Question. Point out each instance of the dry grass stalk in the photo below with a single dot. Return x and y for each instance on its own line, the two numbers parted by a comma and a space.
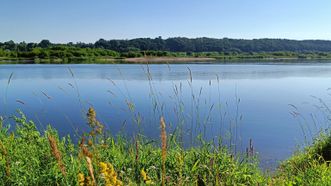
5, 154
84, 149
90, 168
85, 153
164, 148
56, 153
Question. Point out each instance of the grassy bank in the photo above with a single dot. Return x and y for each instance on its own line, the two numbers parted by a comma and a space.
31, 157
310, 166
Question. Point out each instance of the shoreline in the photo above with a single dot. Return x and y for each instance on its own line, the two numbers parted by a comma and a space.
168, 59
155, 60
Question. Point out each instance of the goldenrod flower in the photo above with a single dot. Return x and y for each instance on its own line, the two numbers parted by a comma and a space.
143, 174
147, 180
108, 174
81, 179
103, 167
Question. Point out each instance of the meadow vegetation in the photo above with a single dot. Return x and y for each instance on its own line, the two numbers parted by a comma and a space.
31, 157
310, 166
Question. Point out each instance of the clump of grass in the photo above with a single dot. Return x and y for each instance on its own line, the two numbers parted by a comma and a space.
33, 163
310, 166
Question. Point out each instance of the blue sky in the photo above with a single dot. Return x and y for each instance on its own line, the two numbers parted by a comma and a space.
89, 20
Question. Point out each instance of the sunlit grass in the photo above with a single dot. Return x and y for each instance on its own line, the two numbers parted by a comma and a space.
29, 157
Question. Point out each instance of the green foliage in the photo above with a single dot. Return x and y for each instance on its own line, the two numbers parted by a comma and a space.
52, 52
223, 49
26, 158
308, 167
182, 44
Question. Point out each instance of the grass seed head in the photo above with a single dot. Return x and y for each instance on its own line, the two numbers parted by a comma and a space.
56, 153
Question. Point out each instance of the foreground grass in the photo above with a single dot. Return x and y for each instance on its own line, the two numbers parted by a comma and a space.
31, 158
28, 157
308, 167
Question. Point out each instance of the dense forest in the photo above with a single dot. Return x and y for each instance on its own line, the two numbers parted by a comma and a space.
176, 47
181, 44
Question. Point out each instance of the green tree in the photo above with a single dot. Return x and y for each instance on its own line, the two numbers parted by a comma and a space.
44, 43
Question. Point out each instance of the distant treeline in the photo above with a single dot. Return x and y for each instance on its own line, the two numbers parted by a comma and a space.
181, 44
175, 47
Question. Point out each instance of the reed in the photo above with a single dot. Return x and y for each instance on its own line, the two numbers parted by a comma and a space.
164, 149
6, 91
56, 153
90, 169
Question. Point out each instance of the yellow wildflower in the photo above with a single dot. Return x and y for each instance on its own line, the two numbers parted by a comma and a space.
108, 174
81, 179
103, 167
147, 180
143, 174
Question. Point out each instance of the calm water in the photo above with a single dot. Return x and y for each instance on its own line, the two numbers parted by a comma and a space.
243, 101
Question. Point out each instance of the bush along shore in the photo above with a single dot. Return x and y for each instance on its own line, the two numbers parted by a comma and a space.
158, 50
31, 157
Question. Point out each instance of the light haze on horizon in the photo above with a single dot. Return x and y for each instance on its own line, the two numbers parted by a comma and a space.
63, 21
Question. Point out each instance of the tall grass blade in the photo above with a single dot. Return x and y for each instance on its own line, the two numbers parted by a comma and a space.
164, 148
